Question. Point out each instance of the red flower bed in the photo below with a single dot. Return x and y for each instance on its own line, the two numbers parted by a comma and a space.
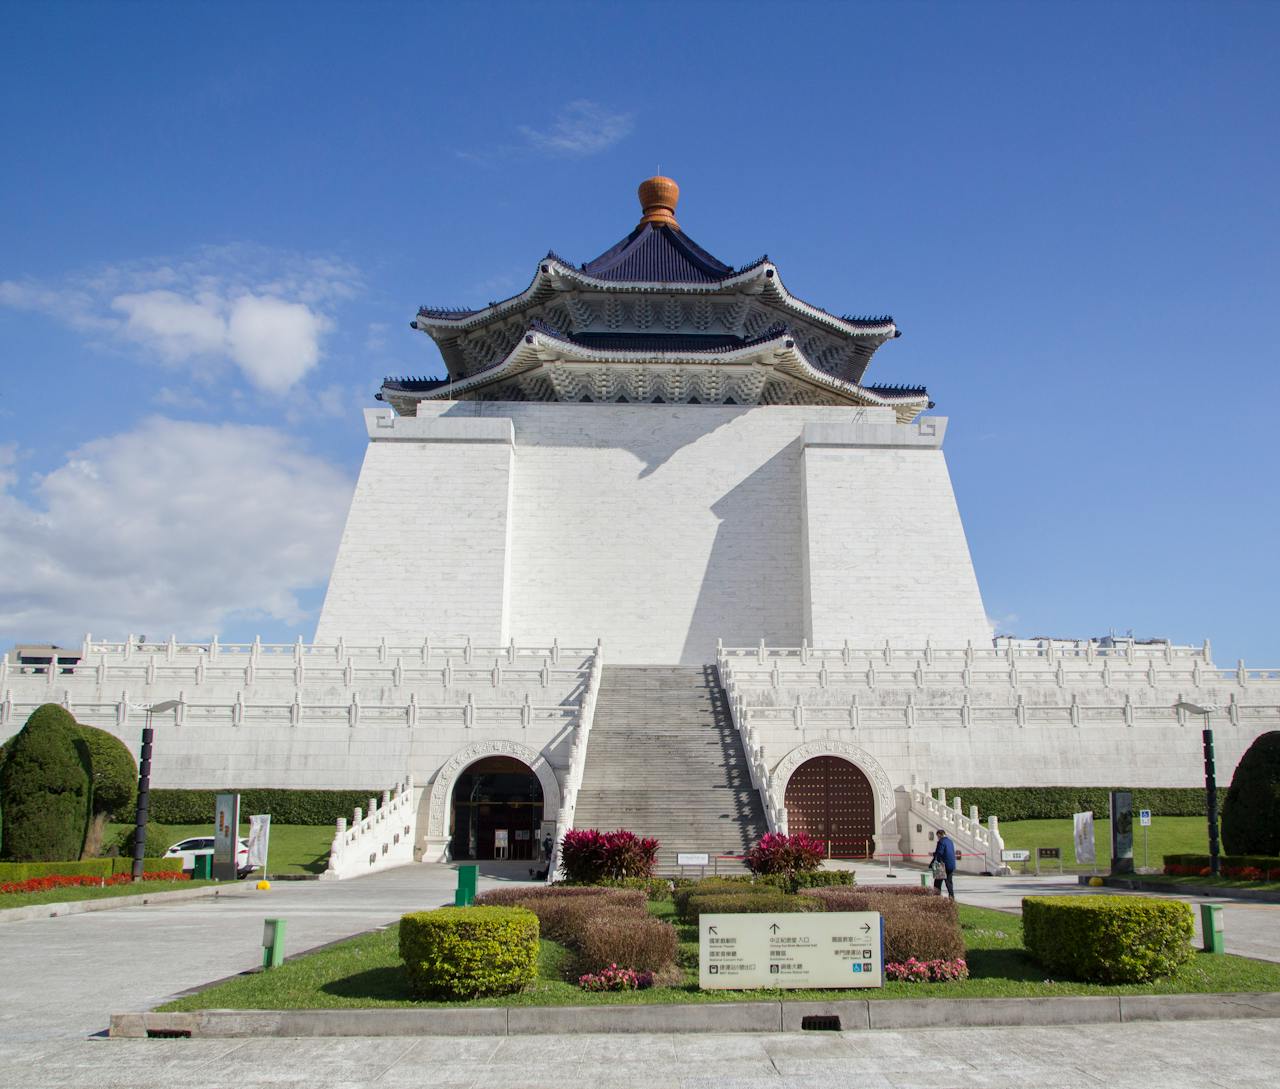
587, 855
927, 971
64, 881
776, 853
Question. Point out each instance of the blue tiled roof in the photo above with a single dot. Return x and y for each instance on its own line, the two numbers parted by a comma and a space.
658, 254
659, 342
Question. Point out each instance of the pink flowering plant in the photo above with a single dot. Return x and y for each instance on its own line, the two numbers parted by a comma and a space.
926, 971
614, 978
776, 853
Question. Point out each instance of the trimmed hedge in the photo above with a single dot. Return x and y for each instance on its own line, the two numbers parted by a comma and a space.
89, 867
1054, 803
1107, 939
654, 888
745, 883
1267, 867
639, 942
917, 923
1251, 811
44, 784
469, 952
285, 806
742, 903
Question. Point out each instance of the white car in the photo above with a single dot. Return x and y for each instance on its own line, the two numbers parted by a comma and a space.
187, 850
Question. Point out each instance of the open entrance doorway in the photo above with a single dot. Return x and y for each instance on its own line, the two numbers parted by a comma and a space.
831, 800
497, 811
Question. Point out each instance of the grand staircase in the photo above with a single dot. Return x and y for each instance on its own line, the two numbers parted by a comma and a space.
665, 761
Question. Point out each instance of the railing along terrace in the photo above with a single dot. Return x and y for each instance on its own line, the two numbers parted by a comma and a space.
1027, 650
577, 760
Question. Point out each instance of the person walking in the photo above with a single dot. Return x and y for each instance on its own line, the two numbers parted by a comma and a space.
944, 864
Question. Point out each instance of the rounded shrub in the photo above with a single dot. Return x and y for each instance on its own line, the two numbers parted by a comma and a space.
44, 789
1107, 939
113, 777
1251, 812
469, 952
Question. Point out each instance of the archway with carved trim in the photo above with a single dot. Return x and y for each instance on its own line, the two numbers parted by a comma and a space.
440, 790
886, 810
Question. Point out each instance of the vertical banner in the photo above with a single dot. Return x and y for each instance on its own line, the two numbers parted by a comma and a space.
1084, 838
1121, 831
226, 836
259, 837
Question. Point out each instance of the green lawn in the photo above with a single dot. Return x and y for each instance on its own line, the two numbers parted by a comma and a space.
366, 972
1166, 836
294, 848
88, 892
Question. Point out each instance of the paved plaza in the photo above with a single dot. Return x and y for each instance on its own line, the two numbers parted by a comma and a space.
64, 976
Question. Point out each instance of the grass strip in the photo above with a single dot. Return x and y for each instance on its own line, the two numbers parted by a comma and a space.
366, 972
89, 892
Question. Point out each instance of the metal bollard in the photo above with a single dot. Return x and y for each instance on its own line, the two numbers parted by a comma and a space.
466, 891
272, 943
1211, 927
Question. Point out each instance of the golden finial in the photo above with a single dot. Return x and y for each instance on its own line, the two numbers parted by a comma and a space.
658, 198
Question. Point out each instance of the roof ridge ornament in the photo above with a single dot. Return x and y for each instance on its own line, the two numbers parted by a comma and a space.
658, 198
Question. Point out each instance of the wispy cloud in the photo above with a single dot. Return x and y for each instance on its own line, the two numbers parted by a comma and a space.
265, 313
581, 128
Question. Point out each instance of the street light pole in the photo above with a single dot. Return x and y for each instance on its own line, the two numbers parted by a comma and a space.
144, 787
1210, 781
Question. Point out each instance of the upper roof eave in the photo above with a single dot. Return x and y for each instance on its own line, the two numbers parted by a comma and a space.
552, 269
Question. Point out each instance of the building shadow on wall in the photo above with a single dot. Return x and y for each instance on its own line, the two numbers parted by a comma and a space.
753, 585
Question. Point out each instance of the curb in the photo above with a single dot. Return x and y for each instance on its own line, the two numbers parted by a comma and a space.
108, 903
1203, 892
850, 1015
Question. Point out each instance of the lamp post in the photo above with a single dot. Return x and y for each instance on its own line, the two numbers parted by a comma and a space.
1210, 780
144, 785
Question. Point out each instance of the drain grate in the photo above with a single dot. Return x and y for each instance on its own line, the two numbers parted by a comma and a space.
821, 1024
168, 1034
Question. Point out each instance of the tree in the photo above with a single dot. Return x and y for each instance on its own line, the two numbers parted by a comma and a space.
114, 782
1251, 813
44, 787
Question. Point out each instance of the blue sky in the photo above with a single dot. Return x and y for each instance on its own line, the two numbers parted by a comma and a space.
216, 222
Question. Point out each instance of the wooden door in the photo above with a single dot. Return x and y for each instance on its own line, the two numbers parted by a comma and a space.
831, 800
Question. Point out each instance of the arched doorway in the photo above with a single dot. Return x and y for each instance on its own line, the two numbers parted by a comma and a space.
495, 795
831, 800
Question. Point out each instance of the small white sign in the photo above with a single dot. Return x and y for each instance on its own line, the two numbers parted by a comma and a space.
823, 949
1015, 856
1144, 818
693, 859
500, 837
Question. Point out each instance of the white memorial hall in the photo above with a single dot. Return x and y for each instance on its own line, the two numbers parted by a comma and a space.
656, 552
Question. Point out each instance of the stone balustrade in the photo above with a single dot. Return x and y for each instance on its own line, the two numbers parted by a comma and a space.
577, 759
376, 839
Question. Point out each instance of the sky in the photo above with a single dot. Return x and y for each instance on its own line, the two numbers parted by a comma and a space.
217, 220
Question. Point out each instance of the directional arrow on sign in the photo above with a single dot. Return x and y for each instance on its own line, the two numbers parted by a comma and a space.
775, 928
866, 928
712, 930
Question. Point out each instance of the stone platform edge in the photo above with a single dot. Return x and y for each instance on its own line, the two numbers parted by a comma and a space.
781, 1016
1201, 892
109, 903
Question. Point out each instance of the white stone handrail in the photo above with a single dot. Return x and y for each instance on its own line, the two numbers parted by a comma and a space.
375, 840
967, 831
775, 814
577, 758
1008, 650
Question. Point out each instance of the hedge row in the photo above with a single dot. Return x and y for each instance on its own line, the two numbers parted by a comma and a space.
91, 867
918, 924
1051, 803
1107, 939
170, 806
1249, 867
469, 952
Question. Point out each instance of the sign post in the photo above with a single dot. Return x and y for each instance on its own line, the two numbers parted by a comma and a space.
823, 949
226, 836
1144, 819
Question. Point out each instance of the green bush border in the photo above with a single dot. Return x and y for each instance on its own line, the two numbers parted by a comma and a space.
1107, 939
1053, 803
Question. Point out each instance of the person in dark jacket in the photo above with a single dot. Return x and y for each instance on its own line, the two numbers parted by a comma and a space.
944, 864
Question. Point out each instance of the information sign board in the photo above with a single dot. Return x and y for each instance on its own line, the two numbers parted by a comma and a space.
1015, 856
822, 949
1144, 818
693, 858
226, 836
1048, 852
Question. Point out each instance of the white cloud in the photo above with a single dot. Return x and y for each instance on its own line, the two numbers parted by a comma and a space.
174, 526
582, 127
266, 313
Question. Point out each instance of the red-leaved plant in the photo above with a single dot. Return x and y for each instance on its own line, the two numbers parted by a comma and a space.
588, 855
927, 971
776, 853
67, 881
614, 978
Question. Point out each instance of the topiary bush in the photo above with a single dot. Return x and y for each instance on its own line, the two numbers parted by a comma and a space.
718, 903
640, 942
469, 952
1107, 939
1251, 812
779, 854
588, 855
113, 780
44, 787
